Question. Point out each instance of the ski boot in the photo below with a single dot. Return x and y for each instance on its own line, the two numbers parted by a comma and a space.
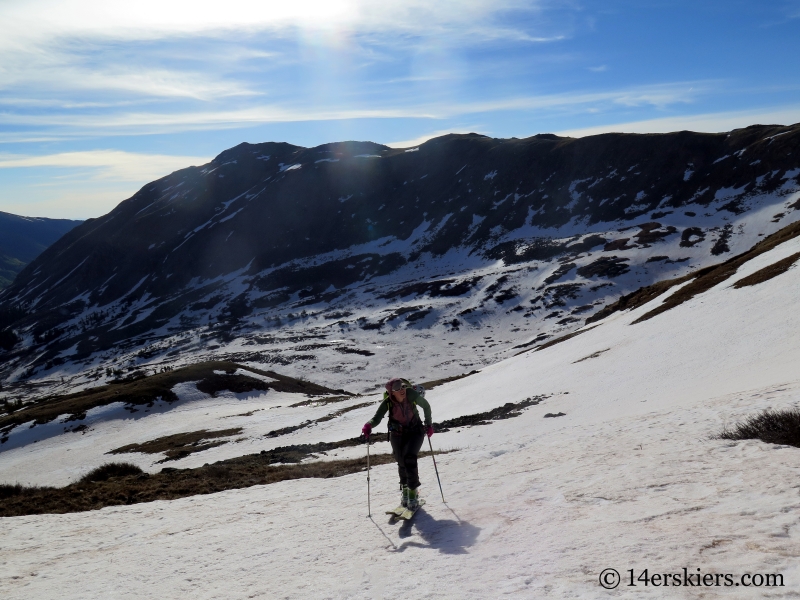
413, 500
404, 495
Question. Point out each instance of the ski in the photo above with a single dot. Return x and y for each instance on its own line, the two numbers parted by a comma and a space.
404, 513
396, 511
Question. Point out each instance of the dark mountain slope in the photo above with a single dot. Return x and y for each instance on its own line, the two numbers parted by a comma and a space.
266, 224
24, 238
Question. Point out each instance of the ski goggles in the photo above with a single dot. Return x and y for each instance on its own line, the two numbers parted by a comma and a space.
397, 385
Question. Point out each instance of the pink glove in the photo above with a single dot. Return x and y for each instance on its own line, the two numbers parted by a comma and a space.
366, 430
429, 430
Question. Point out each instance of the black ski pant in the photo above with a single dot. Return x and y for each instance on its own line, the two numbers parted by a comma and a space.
405, 448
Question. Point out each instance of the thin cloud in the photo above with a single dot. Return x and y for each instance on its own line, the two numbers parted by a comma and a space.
138, 123
108, 164
155, 19
708, 122
429, 136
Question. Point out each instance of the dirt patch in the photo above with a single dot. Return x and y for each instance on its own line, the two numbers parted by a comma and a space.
429, 385
146, 390
692, 236
317, 401
721, 245
536, 340
505, 295
620, 244
419, 315
238, 384
666, 260
558, 340
768, 273
309, 423
171, 484
606, 266
557, 295
346, 350
553, 415
507, 411
593, 355
234, 473
180, 445
439, 288
489, 291
249, 413
701, 281
343, 411
559, 273
651, 233
638, 298
581, 309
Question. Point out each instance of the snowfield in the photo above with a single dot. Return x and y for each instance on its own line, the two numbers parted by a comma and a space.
630, 477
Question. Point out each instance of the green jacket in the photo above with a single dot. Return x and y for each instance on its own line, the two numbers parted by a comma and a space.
412, 396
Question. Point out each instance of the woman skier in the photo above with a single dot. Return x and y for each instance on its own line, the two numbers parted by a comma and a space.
406, 433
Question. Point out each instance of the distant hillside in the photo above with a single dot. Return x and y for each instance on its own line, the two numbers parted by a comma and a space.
24, 238
349, 258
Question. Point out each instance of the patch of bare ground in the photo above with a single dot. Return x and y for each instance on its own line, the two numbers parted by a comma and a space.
651, 233
721, 245
534, 341
320, 401
771, 426
170, 484
692, 236
768, 273
439, 288
342, 411
149, 389
620, 244
593, 355
700, 281
249, 413
605, 266
557, 340
345, 350
638, 298
507, 411
309, 423
269, 466
429, 385
180, 445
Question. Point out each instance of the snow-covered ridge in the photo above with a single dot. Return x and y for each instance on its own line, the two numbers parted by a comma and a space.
465, 253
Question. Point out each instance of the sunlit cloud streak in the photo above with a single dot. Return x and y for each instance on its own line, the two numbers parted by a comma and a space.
707, 122
153, 122
108, 164
152, 19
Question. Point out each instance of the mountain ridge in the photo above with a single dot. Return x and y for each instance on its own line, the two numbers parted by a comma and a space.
435, 237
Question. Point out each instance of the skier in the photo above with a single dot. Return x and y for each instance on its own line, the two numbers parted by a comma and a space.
406, 433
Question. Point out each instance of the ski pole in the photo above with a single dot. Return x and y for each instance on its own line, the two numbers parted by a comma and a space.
437, 470
369, 506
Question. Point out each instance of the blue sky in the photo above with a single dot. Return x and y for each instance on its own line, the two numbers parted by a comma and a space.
97, 97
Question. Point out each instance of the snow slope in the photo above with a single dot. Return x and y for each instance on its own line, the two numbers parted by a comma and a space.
628, 478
